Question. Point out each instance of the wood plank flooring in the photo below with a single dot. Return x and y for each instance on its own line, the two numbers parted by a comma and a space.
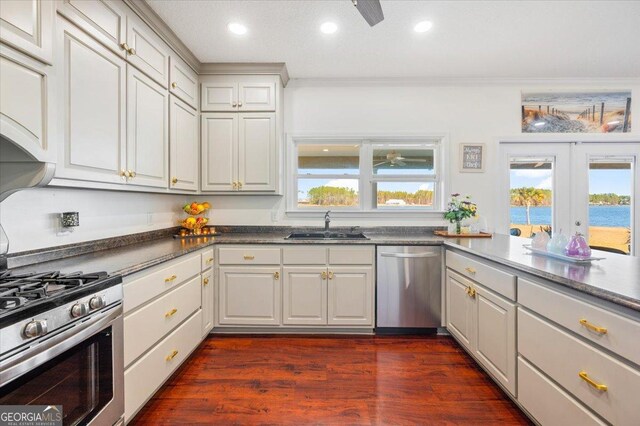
332, 380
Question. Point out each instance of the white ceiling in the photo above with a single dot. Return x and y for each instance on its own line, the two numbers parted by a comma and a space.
493, 39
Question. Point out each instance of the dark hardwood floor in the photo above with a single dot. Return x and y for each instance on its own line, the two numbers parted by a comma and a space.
330, 380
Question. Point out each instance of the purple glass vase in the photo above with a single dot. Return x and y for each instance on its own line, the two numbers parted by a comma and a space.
578, 247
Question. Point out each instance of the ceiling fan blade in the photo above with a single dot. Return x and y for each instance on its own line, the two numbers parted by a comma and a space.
370, 10
415, 160
380, 164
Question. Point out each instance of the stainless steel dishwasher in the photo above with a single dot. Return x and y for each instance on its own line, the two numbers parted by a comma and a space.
408, 289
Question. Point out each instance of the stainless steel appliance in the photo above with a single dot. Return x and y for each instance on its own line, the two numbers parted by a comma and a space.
408, 289
61, 343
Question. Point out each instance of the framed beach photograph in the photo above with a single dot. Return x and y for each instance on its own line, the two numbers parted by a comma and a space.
472, 157
576, 112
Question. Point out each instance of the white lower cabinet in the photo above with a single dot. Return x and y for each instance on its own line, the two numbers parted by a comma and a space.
145, 376
485, 324
208, 301
304, 294
350, 292
249, 295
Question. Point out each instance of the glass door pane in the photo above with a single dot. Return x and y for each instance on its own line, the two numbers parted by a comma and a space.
609, 215
531, 195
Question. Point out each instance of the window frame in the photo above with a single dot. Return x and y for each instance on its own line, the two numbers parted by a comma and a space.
367, 179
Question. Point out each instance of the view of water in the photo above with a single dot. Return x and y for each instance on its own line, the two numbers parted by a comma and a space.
616, 216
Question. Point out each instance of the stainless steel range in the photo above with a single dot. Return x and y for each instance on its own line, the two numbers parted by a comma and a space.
61, 344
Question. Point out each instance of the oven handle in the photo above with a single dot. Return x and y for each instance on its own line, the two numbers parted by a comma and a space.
25, 361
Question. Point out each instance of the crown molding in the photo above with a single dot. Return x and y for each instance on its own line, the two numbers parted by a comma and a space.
142, 9
279, 68
580, 82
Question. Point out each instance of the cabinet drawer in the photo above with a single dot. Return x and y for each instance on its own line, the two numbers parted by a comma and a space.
146, 285
548, 403
249, 256
351, 255
564, 358
144, 377
146, 326
490, 277
304, 255
207, 259
617, 333
184, 81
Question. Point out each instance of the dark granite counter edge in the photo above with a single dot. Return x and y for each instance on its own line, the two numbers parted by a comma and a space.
599, 293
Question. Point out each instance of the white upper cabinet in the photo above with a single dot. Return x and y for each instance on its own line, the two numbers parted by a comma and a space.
147, 131
183, 146
91, 108
25, 111
27, 25
219, 151
257, 95
184, 81
147, 51
244, 93
105, 20
257, 152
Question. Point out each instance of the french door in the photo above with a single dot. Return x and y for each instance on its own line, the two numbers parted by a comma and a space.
589, 187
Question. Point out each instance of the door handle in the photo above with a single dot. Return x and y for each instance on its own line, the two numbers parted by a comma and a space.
409, 255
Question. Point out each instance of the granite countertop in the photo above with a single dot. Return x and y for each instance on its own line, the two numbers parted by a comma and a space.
615, 279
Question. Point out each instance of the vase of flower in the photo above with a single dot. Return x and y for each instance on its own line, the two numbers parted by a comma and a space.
457, 211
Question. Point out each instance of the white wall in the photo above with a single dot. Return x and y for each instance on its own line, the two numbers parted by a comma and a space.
481, 112
30, 217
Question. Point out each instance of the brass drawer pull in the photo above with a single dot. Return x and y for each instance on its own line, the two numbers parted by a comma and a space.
470, 270
170, 313
206, 281
248, 257
276, 275
330, 275
584, 376
595, 328
209, 260
172, 355
171, 278
324, 275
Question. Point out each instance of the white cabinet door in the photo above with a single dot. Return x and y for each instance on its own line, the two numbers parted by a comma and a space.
184, 81
256, 96
249, 296
147, 130
25, 113
257, 152
183, 146
208, 301
219, 96
27, 25
460, 310
350, 295
304, 295
219, 151
496, 337
92, 82
105, 20
149, 53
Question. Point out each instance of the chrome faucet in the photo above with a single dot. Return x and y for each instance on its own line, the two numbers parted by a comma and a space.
327, 221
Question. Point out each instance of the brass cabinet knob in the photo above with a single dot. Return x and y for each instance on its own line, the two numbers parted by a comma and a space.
174, 180
323, 275
239, 104
131, 51
124, 173
174, 85
276, 275
330, 275
125, 46
205, 281
234, 104
132, 174
239, 185
235, 185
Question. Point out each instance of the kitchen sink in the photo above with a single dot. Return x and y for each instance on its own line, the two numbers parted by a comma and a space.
326, 236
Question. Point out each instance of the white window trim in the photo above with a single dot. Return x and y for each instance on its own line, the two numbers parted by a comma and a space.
367, 141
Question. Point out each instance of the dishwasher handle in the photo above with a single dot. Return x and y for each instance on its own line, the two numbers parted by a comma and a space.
410, 255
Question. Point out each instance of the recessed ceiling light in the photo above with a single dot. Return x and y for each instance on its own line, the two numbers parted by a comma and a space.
325, 150
237, 28
329, 27
423, 27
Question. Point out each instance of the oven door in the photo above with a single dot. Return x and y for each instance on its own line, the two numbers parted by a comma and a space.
80, 368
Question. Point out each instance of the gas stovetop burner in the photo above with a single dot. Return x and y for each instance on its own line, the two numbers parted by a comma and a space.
20, 289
